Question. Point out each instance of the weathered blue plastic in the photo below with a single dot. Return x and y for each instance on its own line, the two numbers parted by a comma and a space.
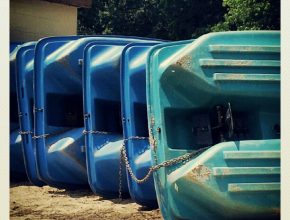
13, 45
24, 82
58, 115
102, 107
238, 176
134, 115
58, 111
17, 169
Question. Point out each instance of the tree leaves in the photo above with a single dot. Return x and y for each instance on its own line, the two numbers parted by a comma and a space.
250, 15
177, 19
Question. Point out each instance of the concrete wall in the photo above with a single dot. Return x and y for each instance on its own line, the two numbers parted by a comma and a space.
34, 19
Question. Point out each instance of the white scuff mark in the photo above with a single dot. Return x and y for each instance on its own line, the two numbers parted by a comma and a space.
176, 187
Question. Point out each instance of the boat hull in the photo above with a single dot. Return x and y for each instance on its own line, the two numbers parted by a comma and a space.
217, 98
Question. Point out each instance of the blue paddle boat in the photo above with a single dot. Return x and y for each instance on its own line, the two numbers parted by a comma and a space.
214, 122
135, 130
17, 169
59, 123
58, 114
102, 111
24, 82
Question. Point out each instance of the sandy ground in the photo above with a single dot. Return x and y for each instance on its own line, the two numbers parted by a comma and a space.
31, 202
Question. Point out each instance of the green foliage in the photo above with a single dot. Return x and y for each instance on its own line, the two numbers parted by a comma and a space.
165, 19
185, 19
250, 15
176, 19
89, 19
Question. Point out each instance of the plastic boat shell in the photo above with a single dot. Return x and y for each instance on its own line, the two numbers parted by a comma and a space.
24, 82
134, 115
58, 111
102, 107
17, 168
218, 97
59, 124
13, 45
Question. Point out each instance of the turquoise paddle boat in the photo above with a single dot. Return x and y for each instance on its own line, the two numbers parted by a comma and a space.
214, 126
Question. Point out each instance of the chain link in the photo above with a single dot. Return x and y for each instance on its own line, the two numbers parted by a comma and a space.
40, 136
25, 132
38, 109
124, 158
121, 161
120, 176
95, 132
154, 168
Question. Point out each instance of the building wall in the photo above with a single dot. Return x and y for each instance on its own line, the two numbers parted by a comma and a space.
34, 19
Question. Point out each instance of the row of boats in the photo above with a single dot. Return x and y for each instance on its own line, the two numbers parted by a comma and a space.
190, 126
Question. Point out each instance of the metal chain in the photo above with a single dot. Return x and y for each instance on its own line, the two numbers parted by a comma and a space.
167, 163
37, 109
121, 161
95, 132
154, 168
135, 138
25, 132
123, 157
40, 136
120, 176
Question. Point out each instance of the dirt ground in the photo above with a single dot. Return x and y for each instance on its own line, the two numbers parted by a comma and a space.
31, 202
